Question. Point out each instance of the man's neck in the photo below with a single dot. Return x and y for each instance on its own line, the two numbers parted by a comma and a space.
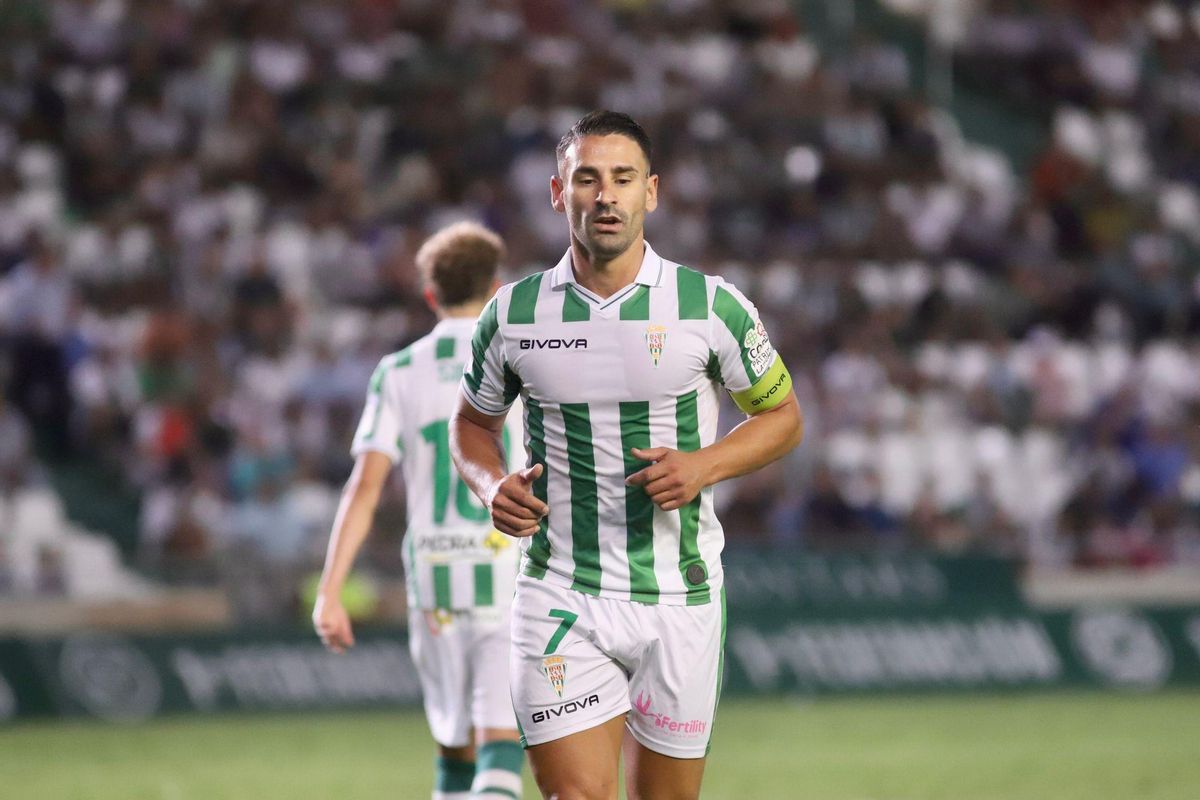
606, 278
465, 311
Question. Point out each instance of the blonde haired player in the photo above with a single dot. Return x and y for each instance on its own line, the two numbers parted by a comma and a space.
619, 355
460, 570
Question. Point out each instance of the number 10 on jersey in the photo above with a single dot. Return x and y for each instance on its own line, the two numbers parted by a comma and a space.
469, 508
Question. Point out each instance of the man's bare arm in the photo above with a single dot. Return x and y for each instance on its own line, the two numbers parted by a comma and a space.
756, 441
351, 527
477, 447
676, 477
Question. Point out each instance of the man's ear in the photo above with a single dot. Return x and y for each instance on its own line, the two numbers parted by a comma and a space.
430, 299
652, 193
557, 201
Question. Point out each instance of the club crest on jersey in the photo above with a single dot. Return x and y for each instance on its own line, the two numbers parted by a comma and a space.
656, 338
496, 542
555, 669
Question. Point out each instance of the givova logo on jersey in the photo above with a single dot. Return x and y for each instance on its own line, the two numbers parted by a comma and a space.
555, 670
554, 344
758, 349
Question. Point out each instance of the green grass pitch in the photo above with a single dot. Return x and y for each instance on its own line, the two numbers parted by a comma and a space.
1023, 747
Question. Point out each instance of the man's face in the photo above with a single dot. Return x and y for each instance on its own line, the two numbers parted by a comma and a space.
605, 188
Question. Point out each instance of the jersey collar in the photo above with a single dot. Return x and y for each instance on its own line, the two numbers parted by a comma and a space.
650, 273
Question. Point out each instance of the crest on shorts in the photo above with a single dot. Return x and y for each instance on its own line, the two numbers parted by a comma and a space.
555, 669
656, 338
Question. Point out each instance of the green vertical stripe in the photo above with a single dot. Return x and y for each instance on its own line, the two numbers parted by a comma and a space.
637, 307
444, 348
639, 508
738, 321
574, 307
687, 432
720, 673
585, 499
721, 656
485, 329
441, 586
483, 585
512, 384
713, 368
535, 426
693, 294
523, 302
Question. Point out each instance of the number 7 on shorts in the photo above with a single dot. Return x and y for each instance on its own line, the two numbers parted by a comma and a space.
568, 619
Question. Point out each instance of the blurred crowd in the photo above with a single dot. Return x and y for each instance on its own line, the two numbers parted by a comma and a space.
209, 211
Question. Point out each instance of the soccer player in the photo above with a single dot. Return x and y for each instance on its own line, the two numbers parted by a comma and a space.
618, 354
460, 570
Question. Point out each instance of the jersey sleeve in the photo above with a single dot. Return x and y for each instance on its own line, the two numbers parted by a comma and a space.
746, 363
488, 383
382, 418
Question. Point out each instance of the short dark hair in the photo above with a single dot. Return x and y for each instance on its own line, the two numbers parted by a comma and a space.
459, 263
603, 123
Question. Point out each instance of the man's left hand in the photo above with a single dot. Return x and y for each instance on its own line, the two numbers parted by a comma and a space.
673, 480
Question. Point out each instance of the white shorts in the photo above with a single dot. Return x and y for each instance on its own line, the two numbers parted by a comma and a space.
462, 660
579, 661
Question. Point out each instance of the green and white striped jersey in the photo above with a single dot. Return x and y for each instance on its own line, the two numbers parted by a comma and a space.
453, 557
601, 376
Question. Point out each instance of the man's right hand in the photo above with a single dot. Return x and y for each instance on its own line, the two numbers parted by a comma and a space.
515, 510
332, 623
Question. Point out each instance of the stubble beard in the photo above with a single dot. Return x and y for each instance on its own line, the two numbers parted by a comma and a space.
607, 247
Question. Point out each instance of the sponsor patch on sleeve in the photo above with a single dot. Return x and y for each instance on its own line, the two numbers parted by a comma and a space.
758, 349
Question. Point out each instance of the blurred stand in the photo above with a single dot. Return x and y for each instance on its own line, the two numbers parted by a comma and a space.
972, 227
